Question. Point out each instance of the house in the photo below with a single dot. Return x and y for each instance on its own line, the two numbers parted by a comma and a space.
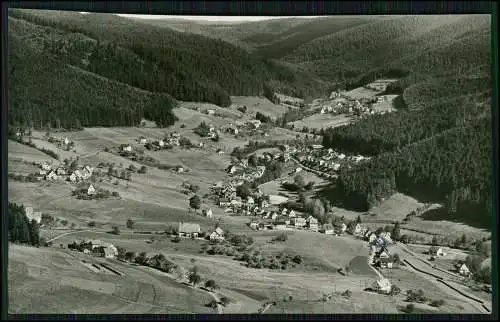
51, 175
329, 232
343, 228
382, 286
317, 146
299, 222
189, 229
256, 123
73, 177
210, 112
217, 234
220, 152
435, 251
284, 211
274, 216
45, 166
91, 190
61, 171
292, 214
161, 143
464, 270
312, 223
86, 174
143, 140
180, 169
372, 237
254, 225
280, 225
224, 203
231, 169
86, 251
264, 204
208, 213
127, 148
42, 172
250, 201
383, 254
357, 229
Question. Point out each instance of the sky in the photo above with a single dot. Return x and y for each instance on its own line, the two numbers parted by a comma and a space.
211, 18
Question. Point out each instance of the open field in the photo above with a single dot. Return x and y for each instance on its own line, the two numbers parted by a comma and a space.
53, 281
258, 104
319, 121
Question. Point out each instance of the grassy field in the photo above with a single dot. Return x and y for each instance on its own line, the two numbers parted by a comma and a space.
318, 121
55, 281
258, 104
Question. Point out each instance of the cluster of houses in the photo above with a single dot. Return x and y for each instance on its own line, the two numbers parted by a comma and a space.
50, 173
61, 142
340, 103
285, 219
173, 139
193, 230
244, 173
95, 248
326, 160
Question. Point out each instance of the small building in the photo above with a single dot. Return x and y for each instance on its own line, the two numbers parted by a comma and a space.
436, 251
33, 215
161, 143
86, 251
224, 203
208, 213
372, 237
274, 216
127, 148
91, 190
51, 175
45, 166
464, 270
329, 232
61, 171
254, 225
220, 152
210, 112
382, 286
292, 214
217, 234
312, 223
143, 140
73, 178
299, 222
357, 229
343, 228
189, 229
279, 225
179, 169
250, 201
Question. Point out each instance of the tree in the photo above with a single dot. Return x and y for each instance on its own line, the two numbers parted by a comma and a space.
130, 223
211, 284
299, 181
358, 219
252, 160
243, 190
141, 258
396, 231
143, 169
91, 224
195, 202
463, 239
434, 241
225, 300
194, 277
116, 230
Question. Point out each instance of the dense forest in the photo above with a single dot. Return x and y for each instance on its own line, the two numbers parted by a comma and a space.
186, 66
453, 167
21, 229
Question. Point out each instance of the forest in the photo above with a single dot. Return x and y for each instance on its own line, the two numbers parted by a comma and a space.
453, 168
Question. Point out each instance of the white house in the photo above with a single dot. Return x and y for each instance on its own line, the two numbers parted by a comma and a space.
217, 234
161, 143
357, 229
297, 170
208, 213
250, 201
292, 214
52, 175
73, 177
30, 214
372, 237
91, 190
46, 166
210, 112
382, 286
343, 228
127, 148
143, 141
464, 270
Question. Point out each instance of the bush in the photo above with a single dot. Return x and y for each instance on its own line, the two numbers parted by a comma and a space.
116, 230
297, 259
91, 224
176, 239
437, 303
409, 308
281, 237
130, 223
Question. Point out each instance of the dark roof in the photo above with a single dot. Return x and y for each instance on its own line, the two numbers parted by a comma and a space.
189, 228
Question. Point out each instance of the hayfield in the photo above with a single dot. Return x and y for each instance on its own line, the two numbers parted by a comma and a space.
319, 121
54, 281
18, 151
256, 104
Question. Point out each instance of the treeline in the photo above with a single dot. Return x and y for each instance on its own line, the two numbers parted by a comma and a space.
389, 132
21, 228
453, 168
187, 66
44, 91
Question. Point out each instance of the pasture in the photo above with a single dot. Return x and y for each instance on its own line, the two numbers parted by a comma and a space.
319, 121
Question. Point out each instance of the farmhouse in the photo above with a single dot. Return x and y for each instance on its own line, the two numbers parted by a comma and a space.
208, 213
464, 270
51, 175
435, 251
372, 237
217, 234
45, 166
189, 229
343, 228
126, 148
312, 223
292, 214
256, 123
90, 190
224, 203
210, 112
382, 286
357, 229
299, 222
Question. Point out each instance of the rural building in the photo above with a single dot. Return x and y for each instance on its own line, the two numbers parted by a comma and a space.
274, 216
372, 237
280, 225
210, 112
217, 234
250, 201
51, 175
256, 123
464, 270
254, 225
264, 204
161, 143
90, 190
357, 229
73, 178
343, 228
312, 223
189, 229
143, 140
329, 232
61, 171
127, 148
435, 251
299, 222
45, 166
382, 286
86, 251
224, 203
208, 213
292, 214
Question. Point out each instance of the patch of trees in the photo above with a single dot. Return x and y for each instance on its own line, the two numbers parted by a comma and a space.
202, 130
21, 229
263, 118
100, 193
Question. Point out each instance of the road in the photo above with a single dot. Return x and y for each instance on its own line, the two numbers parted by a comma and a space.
425, 266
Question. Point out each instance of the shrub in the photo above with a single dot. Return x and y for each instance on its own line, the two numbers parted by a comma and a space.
409, 308
130, 223
91, 224
116, 230
437, 303
176, 239
281, 237
297, 259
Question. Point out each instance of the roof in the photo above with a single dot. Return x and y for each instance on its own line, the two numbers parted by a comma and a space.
109, 251
219, 231
189, 228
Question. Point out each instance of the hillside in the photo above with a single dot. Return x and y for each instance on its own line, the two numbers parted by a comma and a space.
188, 67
